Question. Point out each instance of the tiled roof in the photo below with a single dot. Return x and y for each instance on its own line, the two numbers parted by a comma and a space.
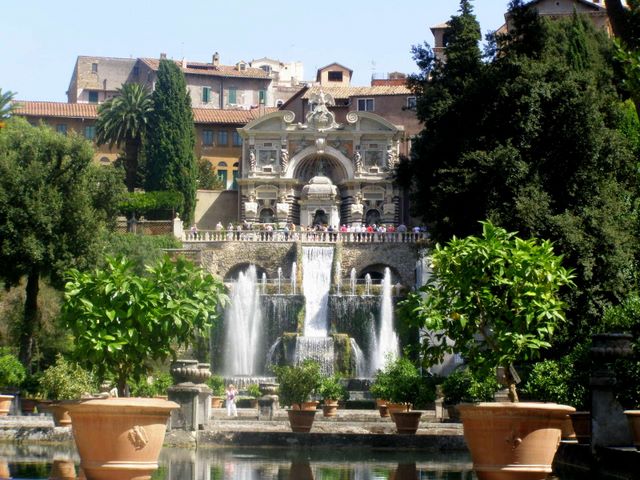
239, 117
56, 109
90, 111
197, 68
347, 92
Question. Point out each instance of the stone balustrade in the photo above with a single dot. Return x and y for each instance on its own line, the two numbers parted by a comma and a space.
311, 237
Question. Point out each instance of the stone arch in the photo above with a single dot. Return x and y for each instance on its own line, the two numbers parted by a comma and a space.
345, 163
233, 272
376, 271
372, 216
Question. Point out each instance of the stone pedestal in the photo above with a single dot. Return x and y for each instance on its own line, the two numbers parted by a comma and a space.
266, 407
194, 398
609, 426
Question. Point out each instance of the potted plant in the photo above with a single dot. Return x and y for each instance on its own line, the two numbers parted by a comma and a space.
253, 391
297, 384
332, 391
64, 381
216, 384
12, 374
461, 386
495, 300
123, 323
379, 389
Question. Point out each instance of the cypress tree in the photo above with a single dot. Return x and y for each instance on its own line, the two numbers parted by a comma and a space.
171, 161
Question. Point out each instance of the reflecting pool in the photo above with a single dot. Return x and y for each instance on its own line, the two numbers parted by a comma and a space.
61, 462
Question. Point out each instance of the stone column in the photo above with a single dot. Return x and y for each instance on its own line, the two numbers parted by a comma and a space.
609, 426
191, 393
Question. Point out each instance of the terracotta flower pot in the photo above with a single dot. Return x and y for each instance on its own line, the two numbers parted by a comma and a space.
60, 412
4, 470
512, 441
305, 406
63, 470
633, 416
28, 405
382, 407
5, 404
581, 422
216, 402
407, 422
398, 407
301, 420
119, 438
330, 408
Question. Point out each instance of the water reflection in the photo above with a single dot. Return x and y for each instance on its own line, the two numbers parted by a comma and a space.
62, 463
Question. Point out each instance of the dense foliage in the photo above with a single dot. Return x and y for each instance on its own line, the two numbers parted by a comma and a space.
66, 380
331, 388
171, 162
151, 386
142, 203
216, 383
495, 296
401, 382
12, 372
531, 139
298, 382
207, 177
122, 321
48, 219
122, 121
462, 386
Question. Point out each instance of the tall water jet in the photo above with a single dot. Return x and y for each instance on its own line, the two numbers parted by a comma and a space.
352, 281
263, 281
338, 278
294, 271
367, 284
316, 281
243, 326
387, 344
279, 280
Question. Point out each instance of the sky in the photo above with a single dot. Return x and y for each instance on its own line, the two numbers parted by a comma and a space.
41, 39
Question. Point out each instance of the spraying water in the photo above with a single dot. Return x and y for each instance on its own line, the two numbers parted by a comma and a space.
361, 369
294, 270
352, 281
243, 325
316, 281
338, 278
387, 339
367, 284
263, 281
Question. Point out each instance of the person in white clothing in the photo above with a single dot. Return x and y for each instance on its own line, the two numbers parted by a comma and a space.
231, 393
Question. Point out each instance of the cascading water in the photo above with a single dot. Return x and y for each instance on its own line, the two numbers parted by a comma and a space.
316, 281
361, 368
319, 349
367, 284
279, 280
338, 278
387, 344
352, 281
243, 326
294, 272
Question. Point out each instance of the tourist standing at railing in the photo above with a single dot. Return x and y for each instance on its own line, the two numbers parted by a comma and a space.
402, 230
285, 230
219, 226
238, 231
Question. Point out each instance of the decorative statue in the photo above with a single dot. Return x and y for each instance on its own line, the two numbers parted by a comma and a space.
252, 159
357, 161
391, 157
284, 159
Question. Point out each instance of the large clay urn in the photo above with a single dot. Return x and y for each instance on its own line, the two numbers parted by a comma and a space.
513, 441
407, 422
5, 404
60, 413
301, 420
63, 470
119, 438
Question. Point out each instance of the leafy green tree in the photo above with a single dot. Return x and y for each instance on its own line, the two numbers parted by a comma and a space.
496, 296
122, 121
625, 21
534, 142
171, 162
123, 322
6, 107
207, 178
48, 222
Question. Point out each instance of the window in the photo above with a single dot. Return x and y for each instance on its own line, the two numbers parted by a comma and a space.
237, 139
262, 97
94, 68
93, 96
266, 68
90, 132
222, 176
334, 76
411, 103
233, 95
234, 182
206, 94
136, 71
365, 104
207, 137
223, 138
61, 128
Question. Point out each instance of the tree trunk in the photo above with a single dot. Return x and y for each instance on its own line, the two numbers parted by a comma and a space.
30, 320
618, 19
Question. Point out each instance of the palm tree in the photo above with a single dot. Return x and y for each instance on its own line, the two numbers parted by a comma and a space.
122, 121
6, 105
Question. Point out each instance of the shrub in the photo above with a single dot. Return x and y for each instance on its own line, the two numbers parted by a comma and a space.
216, 383
461, 386
253, 391
152, 386
12, 372
331, 388
401, 382
65, 381
299, 382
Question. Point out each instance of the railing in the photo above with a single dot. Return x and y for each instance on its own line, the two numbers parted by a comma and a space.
311, 237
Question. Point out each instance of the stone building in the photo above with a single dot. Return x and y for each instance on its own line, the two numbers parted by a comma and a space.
317, 170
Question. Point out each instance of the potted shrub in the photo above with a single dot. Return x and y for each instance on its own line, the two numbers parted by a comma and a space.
216, 384
253, 391
332, 391
123, 323
495, 300
12, 374
297, 384
461, 386
152, 386
379, 389
63, 381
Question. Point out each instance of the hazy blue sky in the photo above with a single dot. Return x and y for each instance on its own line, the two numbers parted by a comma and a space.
41, 39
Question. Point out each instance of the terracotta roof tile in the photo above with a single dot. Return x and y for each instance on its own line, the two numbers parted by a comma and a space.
90, 111
197, 68
347, 92
56, 109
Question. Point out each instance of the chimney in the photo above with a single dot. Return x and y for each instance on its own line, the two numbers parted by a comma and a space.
163, 56
215, 60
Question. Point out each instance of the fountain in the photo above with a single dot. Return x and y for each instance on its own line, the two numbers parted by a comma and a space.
352, 281
338, 278
367, 284
294, 271
279, 280
387, 344
263, 281
316, 281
